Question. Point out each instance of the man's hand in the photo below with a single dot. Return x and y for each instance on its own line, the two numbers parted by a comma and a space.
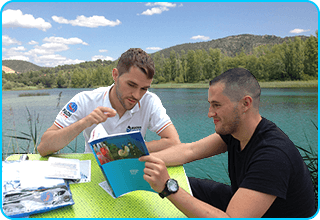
100, 114
155, 172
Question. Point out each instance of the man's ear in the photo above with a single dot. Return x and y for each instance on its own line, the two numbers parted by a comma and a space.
247, 103
115, 74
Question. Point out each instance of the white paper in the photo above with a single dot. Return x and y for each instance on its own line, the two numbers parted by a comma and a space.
98, 132
63, 168
104, 185
85, 172
33, 175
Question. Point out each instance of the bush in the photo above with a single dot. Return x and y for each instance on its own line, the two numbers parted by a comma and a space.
7, 85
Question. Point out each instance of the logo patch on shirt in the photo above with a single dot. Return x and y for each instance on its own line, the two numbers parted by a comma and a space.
72, 107
135, 128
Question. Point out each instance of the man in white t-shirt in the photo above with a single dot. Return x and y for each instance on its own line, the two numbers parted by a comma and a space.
124, 106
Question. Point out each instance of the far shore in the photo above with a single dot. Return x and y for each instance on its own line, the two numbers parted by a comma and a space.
200, 85
277, 84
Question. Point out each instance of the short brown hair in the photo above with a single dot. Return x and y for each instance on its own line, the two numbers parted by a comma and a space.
239, 82
138, 58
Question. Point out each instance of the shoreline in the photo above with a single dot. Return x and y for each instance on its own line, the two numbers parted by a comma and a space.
204, 85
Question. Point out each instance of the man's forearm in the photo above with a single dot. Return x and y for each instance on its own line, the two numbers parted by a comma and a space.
194, 208
54, 140
175, 155
163, 143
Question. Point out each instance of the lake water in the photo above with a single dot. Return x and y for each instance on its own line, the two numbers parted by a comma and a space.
293, 110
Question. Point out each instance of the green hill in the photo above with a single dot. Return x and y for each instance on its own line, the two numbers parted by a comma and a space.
231, 45
21, 66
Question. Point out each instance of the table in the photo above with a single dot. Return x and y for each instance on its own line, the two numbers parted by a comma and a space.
91, 201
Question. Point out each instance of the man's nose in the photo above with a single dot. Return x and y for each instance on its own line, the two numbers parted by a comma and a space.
211, 113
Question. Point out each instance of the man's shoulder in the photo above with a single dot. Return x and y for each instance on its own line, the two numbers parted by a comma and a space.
95, 93
149, 97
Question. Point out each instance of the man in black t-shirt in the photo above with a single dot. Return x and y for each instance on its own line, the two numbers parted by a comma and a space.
268, 175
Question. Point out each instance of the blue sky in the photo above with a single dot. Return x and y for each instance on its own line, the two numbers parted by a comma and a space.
51, 33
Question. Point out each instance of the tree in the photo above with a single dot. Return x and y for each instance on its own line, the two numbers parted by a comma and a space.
311, 56
215, 56
76, 79
191, 67
173, 65
61, 81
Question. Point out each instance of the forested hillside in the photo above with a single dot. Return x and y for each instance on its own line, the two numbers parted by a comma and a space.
20, 66
232, 45
295, 59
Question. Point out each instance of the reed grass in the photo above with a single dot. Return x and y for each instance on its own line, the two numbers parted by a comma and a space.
34, 94
310, 157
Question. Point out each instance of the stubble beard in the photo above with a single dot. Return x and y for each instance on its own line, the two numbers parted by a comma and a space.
231, 126
121, 100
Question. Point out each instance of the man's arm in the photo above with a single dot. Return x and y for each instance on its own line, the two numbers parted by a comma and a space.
245, 203
54, 139
169, 137
185, 153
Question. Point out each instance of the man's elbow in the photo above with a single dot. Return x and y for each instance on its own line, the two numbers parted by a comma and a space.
42, 150
174, 141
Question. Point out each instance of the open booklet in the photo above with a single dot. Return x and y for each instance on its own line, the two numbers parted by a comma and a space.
117, 156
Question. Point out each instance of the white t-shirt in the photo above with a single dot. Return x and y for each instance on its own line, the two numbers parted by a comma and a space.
148, 113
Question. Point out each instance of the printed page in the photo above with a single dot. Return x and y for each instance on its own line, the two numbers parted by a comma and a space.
85, 172
64, 168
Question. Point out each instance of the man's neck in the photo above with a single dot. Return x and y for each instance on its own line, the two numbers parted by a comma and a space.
247, 129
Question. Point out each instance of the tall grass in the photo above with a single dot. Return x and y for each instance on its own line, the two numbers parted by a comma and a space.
32, 136
310, 157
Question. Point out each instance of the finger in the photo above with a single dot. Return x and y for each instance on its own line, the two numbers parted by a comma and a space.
144, 158
108, 111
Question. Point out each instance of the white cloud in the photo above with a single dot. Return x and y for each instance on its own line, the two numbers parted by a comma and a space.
6, 40
153, 11
53, 60
298, 31
91, 22
48, 49
33, 42
162, 6
103, 51
200, 37
97, 57
21, 57
61, 40
15, 53
20, 48
153, 48
56, 47
15, 18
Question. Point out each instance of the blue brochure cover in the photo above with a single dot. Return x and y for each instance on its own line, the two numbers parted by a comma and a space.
117, 156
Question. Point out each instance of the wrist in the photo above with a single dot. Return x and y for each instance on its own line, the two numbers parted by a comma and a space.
171, 187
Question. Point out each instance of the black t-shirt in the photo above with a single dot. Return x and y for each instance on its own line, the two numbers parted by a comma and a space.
270, 163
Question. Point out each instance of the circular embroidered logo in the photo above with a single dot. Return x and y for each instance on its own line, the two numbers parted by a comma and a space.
72, 107
46, 196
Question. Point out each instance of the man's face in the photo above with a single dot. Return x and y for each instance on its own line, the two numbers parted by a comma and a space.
131, 86
225, 113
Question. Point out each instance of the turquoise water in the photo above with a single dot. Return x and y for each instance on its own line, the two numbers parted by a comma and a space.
293, 110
